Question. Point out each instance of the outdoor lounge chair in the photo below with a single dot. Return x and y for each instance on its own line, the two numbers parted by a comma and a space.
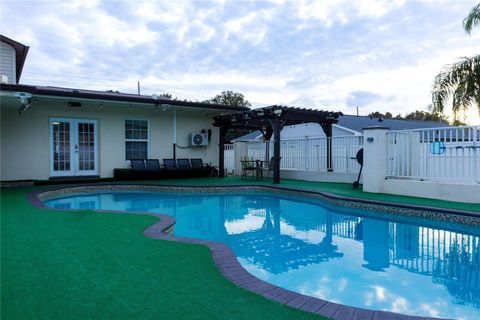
197, 163
138, 165
153, 165
202, 169
183, 164
170, 164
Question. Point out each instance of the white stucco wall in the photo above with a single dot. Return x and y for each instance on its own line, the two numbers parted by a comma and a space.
319, 176
375, 173
433, 190
25, 138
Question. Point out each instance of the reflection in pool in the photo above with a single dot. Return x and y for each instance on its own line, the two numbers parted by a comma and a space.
338, 254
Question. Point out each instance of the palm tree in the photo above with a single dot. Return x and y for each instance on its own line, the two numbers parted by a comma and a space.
472, 19
459, 81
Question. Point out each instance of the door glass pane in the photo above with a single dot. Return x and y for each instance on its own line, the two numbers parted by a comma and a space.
86, 146
61, 146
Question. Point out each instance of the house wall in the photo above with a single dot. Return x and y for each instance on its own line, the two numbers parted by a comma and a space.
25, 138
7, 62
339, 131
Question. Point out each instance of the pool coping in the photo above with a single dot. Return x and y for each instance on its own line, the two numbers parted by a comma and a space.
227, 263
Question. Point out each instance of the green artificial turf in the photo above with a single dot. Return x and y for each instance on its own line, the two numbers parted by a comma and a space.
89, 265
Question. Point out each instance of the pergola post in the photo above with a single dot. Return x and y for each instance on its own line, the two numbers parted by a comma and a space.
277, 125
221, 152
327, 128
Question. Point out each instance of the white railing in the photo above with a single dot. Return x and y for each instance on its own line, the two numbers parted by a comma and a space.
229, 159
449, 154
311, 154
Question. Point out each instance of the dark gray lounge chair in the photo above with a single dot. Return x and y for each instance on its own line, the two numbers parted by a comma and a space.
170, 164
183, 164
197, 163
153, 165
138, 165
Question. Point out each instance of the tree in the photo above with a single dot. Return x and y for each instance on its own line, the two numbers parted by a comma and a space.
472, 20
167, 96
230, 98
421, 115
377, 114
236, 99
417, 115
459, 81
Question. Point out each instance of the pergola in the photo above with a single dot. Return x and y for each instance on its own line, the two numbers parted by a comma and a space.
270, 121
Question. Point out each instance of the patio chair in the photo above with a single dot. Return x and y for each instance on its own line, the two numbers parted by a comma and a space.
203, 169
138, 165
197, 163
183, 164
170, 164
271, 167
153, 165
248, 168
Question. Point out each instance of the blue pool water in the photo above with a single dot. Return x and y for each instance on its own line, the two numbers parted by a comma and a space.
338, 254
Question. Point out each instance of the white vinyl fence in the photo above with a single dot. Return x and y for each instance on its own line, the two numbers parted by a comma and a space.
229, 158
442, 154
311, 154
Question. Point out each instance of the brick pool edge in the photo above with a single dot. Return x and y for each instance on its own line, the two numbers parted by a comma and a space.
227, 262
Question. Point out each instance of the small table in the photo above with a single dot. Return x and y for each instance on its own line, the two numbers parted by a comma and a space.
252, 165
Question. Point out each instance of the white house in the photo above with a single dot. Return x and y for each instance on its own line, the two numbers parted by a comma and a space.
51, 132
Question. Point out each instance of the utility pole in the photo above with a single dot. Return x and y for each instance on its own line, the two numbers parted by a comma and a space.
357, 112
138, 86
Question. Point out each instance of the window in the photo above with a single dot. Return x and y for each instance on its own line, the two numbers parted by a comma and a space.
136, 139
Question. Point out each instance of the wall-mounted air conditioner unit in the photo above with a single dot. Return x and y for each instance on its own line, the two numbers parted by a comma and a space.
4, 79
198, 139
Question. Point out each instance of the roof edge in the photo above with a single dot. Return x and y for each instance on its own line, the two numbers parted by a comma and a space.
106, 96
21, 52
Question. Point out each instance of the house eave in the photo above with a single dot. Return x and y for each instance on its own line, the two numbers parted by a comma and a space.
21, 52
41, 91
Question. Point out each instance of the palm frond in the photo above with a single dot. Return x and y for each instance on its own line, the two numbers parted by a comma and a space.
472, 19
459, 81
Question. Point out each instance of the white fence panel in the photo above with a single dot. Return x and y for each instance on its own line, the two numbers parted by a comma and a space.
311, 154
344, 151
442, 154
229, 158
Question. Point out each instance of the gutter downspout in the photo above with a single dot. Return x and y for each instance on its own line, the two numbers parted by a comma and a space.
174, 134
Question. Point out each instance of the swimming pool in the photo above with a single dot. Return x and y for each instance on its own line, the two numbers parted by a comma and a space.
343, 255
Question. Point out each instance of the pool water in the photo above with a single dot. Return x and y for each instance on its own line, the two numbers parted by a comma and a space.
342, 255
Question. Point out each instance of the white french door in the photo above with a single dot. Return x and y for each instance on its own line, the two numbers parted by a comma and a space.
73, 147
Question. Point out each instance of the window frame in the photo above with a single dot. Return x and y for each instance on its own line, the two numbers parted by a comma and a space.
135, 139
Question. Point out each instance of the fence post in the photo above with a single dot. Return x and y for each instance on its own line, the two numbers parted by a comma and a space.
375, 158
240, 151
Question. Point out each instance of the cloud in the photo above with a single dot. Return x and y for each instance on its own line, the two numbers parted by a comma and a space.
380, 55
362, 98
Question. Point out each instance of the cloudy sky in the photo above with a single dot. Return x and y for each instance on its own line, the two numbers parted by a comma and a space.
375, 54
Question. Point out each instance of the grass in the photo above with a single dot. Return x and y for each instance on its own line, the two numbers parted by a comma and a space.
85, 265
